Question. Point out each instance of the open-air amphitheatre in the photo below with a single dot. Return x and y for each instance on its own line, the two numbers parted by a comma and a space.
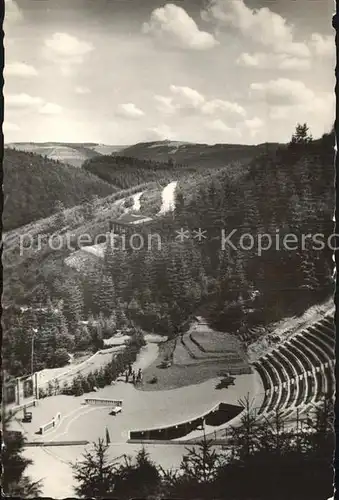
291, 378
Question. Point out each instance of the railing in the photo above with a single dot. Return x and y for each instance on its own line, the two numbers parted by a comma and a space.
50, 425
23, 406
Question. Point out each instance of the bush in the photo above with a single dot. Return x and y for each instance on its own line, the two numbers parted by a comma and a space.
106, 375
129, 202
61, 357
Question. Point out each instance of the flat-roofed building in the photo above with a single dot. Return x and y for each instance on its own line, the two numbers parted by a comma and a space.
127, 222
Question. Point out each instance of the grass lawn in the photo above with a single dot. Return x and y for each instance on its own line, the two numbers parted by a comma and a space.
191, 365
181, 376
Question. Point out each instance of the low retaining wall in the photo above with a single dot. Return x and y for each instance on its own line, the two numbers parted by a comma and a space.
15, 409
103, 402
50, 425
55, 443
182, 429
215, 442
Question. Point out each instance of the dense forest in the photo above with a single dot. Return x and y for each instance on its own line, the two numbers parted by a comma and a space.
125, 172
289, 191
35, 186
198, 155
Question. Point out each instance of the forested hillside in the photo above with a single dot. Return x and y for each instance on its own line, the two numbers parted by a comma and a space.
34, 185
197, 155
286, 192
125, 172
236, 286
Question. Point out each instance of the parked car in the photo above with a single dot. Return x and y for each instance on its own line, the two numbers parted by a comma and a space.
27, 416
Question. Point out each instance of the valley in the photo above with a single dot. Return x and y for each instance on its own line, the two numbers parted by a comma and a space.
168, 250
196, 317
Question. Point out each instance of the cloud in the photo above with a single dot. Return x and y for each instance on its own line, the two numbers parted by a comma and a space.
160, 133
66, 45
263, 60
10, 127
188, 97
165, 104
253, 125
28, 102
260, 25
323, 46
186, 100
82, 90
174, 26
13, 13
67, 51
282, 91
218, 105
290, 102
129, 110
22, 101
218, 125
19, 69
320, 108
50, 109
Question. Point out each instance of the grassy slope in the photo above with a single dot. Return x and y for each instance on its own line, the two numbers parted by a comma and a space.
69, 153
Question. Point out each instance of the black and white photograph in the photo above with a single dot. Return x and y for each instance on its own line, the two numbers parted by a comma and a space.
168, 249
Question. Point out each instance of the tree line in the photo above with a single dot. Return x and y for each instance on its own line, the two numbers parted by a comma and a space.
260, 460
124, 172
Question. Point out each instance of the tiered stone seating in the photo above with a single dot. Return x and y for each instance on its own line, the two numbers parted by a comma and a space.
294, 374
321, 343
327, 323
302, 379
289, 375
299, 371
281, 393
269, 380
313, 361
325, 332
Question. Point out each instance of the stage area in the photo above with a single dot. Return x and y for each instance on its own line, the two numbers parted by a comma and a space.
140, 409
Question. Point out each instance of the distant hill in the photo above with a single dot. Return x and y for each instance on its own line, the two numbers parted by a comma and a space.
168, 160
199, 155
71, 153
33, 184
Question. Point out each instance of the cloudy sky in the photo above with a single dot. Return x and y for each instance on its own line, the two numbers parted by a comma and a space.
124, 71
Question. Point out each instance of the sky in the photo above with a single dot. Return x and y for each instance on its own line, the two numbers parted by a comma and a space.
127, 71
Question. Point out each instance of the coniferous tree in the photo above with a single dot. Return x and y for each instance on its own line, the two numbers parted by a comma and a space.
94, 474
14, 481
